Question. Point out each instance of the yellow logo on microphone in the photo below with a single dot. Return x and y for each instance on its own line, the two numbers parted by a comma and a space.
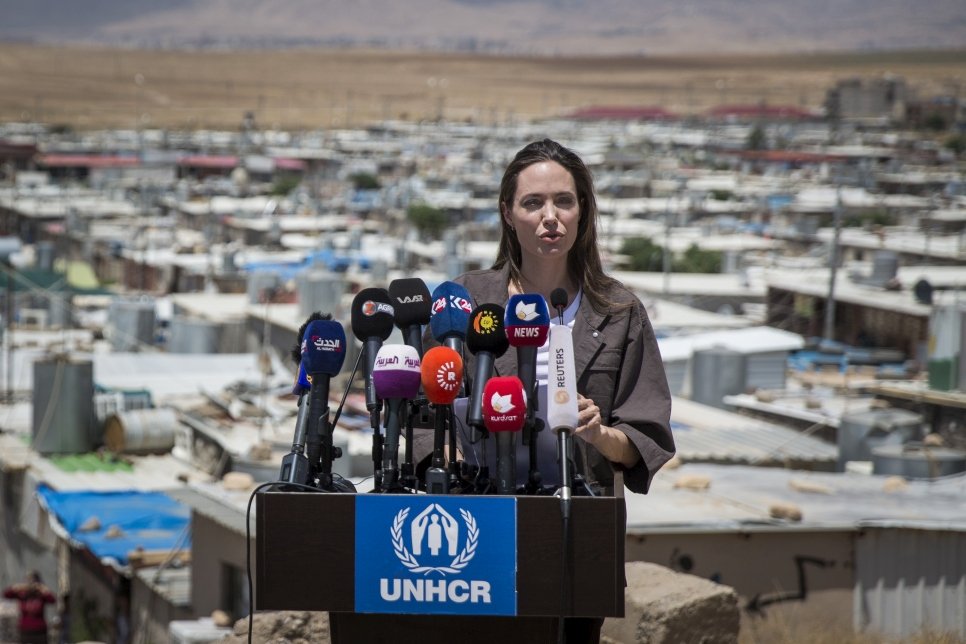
485, 323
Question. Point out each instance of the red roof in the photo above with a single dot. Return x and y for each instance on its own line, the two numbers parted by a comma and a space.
224, 162
760, 111
622, 113
87, 161
290, 164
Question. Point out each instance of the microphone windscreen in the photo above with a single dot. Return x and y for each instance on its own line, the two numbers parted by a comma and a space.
485, 331
451, 310
297, 348
372, 314
561, 379
323, 347
442, 375
558, 298
527, 320
302, 383
411, 300
396, 372
504, 404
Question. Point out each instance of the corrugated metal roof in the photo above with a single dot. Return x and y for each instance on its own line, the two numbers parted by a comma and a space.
225, 507
739, 497
704, 433
173, 584
759, 339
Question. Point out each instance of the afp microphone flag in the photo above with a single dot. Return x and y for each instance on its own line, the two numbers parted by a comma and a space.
435, 554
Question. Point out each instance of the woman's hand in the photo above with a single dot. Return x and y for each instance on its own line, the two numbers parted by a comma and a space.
612, 443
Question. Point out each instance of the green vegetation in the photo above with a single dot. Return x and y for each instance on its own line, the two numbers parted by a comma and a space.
285, 184
429, 221
364, 181
870, 218
956, 143
645, 255
757, 140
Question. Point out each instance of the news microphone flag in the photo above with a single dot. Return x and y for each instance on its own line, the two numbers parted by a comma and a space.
527, 320
323, 348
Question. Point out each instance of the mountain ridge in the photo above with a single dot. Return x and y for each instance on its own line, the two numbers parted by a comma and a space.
529, 27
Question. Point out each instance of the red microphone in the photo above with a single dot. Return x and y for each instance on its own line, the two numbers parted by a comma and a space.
441, 373
504, 412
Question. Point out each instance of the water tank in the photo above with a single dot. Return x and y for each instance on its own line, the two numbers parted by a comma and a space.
259, 282
860, 432
191, 335
58, 309
885, 266
132, 324
917, 461
715, 373
140, 431
45, 256
63, 406
320, 291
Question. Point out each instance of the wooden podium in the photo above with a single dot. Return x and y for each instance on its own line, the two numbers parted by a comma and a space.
305, 560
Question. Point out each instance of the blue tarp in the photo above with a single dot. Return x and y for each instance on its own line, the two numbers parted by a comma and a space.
151, 520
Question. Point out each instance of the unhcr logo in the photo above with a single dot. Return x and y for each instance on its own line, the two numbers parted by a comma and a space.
430, 543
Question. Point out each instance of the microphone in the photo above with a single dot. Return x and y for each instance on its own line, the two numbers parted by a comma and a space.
504, 411
395, 377
295, 465
451, 310
372, 318
441, 375
411, 300
486, 339
558, 299
562, 414
527, 324
323, 352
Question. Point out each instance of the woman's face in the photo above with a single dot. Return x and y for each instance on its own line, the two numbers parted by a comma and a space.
545, 211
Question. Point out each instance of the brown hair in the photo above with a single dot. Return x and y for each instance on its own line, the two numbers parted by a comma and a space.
583, 261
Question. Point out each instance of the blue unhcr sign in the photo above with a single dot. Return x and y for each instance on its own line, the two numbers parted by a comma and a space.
439, 555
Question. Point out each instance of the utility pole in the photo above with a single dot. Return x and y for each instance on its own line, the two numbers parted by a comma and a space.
829, 331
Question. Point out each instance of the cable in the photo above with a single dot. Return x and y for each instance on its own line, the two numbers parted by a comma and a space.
248, 542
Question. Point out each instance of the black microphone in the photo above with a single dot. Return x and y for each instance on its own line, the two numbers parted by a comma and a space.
323, 352
413, 309
486, 339
372, 318
558, 300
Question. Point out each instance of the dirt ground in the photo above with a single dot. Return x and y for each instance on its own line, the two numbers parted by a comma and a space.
87, 87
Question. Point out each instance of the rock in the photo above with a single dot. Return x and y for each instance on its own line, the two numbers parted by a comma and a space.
114, 532
809, 487
933, 440
674, 463
788, 511
238, 481
221, 618
283, 627
92, 524
693, 482
894, 484
666, 607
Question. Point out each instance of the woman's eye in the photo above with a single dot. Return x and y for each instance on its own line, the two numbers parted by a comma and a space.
565, 202
531, 204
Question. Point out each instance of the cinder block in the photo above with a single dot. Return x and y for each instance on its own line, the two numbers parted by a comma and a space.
667, 607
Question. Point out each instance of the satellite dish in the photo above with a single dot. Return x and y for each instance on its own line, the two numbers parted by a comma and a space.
923, 292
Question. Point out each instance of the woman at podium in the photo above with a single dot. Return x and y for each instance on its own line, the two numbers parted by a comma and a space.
548, 242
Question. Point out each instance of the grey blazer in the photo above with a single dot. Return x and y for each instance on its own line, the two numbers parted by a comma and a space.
618, 366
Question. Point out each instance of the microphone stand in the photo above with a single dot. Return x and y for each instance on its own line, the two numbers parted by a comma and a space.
407, 472
295, 464
566, 473
454, 465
